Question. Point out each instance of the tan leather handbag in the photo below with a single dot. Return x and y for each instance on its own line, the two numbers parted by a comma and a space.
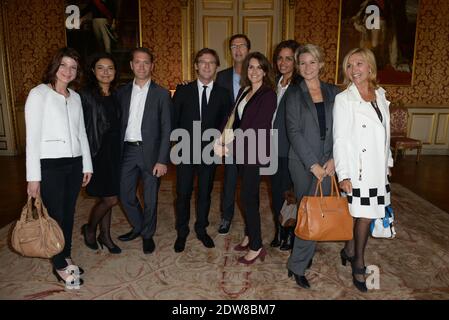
324, 218
36, 234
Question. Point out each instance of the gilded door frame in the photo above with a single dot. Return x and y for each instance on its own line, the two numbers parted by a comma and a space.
5, 63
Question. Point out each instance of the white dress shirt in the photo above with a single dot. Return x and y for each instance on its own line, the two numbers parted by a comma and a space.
137, 107
200, 91
280, 93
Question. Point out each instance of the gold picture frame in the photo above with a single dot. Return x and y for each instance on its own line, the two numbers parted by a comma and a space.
393, 41
112, 26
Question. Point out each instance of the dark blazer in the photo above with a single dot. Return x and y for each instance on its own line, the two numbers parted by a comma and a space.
224, 79
258, 114
279, 122
303, 130
95, 119
156, 122
186, 108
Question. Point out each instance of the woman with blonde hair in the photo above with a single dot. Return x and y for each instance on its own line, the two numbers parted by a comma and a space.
362, 153
309, 128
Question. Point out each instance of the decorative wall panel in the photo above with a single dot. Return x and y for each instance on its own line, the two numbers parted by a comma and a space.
442, 128
35, 32
317, 22
430, 125
161, 32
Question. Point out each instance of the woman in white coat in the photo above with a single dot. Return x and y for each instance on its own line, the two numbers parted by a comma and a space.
58, 159
362, 152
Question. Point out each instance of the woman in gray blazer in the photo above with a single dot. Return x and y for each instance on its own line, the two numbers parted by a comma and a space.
309, 129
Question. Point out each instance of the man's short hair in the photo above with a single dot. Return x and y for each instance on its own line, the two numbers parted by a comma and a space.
143, 50
207, 51
243, 36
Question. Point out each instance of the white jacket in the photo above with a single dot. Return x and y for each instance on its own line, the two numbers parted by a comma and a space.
362, 149
54, 129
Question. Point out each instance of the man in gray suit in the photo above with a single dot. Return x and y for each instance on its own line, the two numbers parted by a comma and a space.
145, 133
239, 44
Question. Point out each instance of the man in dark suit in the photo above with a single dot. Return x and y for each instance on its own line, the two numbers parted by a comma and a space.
201, 102
239, 44
145, 132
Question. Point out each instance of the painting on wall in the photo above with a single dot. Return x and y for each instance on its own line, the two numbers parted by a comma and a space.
388, 28
111, 26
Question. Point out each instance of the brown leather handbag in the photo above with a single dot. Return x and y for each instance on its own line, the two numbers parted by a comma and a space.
36, 234
324, 218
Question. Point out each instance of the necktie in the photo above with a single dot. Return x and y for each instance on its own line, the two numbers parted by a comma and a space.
203, 101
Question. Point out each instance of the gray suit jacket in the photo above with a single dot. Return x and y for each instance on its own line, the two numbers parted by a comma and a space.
283, 145
303, 131
156, 122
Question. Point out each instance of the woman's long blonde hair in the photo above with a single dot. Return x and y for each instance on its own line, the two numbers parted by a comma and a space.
369, 57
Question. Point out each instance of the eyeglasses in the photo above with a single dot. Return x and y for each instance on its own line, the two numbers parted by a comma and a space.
239, 46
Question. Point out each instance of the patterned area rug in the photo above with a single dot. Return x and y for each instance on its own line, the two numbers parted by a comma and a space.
414, 265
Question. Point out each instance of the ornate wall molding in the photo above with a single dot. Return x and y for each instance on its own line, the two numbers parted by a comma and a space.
9, 117
288, 19
187, 13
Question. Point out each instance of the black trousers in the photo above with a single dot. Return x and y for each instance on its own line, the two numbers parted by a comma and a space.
229, 187
249, 194
134, 167
280, 183
185, 177
61, 181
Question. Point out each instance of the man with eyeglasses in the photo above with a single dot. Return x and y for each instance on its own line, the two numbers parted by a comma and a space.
202, 102
239, 44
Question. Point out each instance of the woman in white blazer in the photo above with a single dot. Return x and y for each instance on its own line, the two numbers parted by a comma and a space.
362, 152
58, 159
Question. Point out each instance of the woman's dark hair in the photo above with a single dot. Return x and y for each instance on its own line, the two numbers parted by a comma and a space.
268, 79
91, 79
53, 66
290, 44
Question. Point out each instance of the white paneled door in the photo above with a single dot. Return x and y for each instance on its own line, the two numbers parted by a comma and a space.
217, 20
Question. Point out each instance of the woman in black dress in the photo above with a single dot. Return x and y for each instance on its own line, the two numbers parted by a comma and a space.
102, 118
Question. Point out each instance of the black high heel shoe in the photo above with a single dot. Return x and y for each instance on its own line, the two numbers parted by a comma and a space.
344, 257
93, 246
360, 285
300, 280
61, 279
114, 249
